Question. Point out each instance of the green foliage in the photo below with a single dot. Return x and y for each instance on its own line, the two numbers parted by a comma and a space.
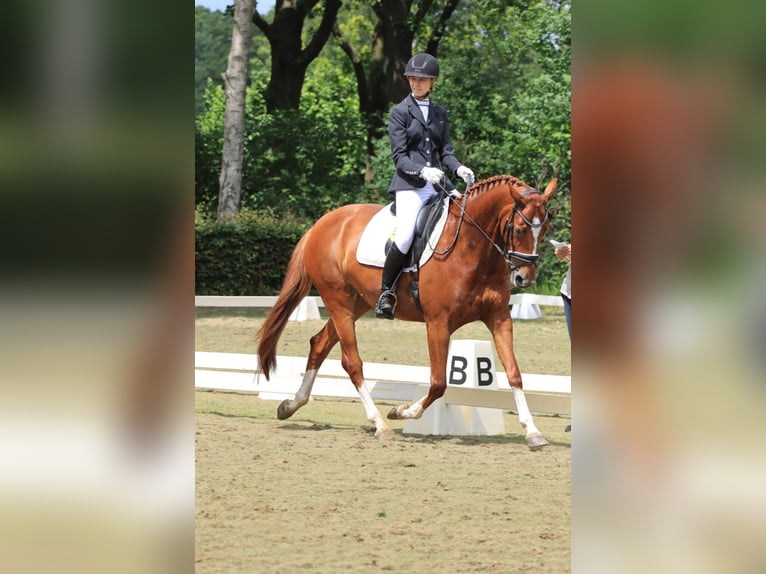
246, 256
212, 42
208, 143
506, 82
304, 162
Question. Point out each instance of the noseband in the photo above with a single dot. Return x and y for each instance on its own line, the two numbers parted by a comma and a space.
523, 259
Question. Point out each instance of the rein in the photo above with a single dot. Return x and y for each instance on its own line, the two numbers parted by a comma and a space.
508, 254
459, 223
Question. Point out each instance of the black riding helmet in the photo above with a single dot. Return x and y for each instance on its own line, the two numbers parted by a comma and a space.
422, 66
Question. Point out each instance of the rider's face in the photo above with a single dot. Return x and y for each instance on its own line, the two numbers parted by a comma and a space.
421, 87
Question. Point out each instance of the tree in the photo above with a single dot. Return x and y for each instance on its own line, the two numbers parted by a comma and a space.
212, 43
235, 84
379, 77
289, 60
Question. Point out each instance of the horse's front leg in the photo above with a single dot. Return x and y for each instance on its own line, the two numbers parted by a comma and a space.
438, 349
501, 327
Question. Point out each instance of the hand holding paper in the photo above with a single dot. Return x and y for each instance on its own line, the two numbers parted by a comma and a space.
563, 250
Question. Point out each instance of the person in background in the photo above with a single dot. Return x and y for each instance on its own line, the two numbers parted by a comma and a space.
421, 149
565, 252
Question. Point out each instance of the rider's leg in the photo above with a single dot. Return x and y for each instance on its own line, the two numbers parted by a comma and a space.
392, 268
408, 204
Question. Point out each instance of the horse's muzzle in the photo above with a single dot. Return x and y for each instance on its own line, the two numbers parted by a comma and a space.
520, 281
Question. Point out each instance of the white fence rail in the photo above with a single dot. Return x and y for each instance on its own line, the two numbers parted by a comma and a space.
268, 301
548, 394
524, 305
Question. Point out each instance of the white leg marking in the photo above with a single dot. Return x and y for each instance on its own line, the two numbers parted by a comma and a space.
373, 414
415, 411
525, 417
304, 392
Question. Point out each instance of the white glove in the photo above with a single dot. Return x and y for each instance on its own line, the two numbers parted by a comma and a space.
432, 174
455, 193
466, 174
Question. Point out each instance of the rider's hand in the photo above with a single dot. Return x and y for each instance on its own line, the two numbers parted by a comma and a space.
432, 174
466, 174
455, 193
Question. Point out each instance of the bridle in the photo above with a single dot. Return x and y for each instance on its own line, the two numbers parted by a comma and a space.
508, 252
511, 254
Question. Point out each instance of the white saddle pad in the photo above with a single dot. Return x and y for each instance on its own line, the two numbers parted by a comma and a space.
382, 227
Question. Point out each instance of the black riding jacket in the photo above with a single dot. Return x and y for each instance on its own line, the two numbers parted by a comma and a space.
416, 144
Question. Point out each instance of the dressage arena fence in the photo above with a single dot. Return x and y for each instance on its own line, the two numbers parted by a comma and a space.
239, 372
472, 403
523, 305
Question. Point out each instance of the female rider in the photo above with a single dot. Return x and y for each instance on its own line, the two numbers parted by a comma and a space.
421, 148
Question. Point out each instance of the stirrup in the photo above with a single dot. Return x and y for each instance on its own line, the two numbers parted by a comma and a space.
388, 312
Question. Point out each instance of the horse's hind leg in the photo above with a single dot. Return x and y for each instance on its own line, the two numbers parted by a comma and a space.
344, 321
438, 348
321, 345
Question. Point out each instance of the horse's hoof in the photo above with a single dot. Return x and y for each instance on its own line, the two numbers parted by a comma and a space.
536, 441
282, 412
385, 434
396, 412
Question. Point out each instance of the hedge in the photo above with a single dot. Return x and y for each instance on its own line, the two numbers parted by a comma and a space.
246, 256
249, 255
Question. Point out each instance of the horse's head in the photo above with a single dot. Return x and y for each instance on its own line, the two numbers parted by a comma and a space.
524, 228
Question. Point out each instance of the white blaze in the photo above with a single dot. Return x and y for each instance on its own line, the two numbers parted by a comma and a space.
536, 228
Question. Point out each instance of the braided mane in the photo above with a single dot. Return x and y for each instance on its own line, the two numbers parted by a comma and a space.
492, 182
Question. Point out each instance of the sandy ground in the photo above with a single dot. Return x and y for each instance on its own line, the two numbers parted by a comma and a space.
318, 493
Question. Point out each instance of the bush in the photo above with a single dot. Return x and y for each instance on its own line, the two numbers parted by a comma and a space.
246, 256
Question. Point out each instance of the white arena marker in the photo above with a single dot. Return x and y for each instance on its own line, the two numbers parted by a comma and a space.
526, 310
470, 364
307, 310
438, 419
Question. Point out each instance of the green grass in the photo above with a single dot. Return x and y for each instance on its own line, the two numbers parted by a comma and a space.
541, 345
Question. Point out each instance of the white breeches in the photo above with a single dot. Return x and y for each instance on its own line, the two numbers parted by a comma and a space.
408, 204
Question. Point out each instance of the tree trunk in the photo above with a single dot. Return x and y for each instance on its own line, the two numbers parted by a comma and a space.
289, 60
235, 85
395, 31
381, 81
288, 69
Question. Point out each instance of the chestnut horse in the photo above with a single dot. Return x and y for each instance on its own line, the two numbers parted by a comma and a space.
498, 224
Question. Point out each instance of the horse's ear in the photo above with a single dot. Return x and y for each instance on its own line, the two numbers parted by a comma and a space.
550, 189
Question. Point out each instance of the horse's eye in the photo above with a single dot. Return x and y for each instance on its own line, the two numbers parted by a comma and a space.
518, 230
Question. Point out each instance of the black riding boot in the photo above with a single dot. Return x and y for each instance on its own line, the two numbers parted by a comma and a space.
391, 269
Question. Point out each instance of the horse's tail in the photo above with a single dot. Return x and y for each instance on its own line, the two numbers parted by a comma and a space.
296, 286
